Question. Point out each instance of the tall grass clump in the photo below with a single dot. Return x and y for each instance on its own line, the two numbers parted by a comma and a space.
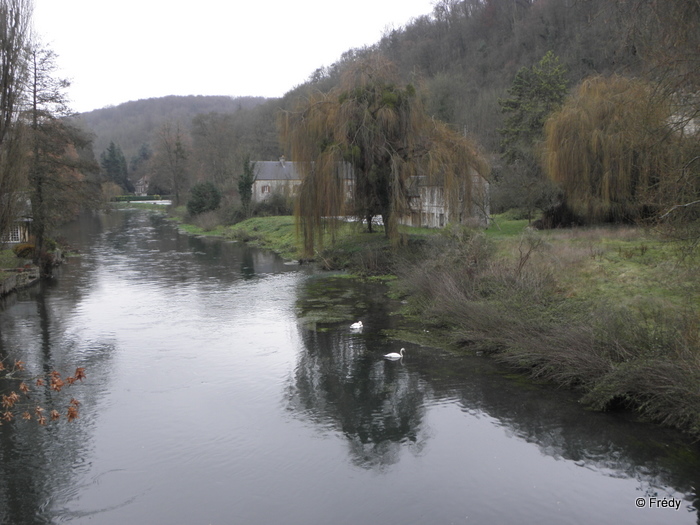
516, 304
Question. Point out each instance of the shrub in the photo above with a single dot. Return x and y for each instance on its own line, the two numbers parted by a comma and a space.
24, 251
204, 197
207, 220
276, 204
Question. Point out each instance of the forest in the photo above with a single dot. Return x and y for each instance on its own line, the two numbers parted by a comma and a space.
494, 70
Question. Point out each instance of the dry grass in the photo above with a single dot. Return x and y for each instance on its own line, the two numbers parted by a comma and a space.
603, 310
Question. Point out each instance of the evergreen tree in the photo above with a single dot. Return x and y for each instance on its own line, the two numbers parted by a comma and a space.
114, 167
245, 184
139, 160
535, 93
204, 197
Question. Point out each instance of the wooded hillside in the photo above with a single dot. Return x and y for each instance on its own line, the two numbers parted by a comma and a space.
464, 58
132, 124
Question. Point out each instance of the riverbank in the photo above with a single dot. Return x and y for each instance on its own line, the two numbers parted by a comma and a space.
611, 312
15, 279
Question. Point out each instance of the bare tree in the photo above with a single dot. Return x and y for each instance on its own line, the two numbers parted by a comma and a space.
15, 36
170, 162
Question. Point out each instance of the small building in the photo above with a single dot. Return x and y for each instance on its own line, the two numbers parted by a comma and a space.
276, 176
141, 186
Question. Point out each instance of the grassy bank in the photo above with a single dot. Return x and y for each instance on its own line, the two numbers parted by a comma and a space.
611, 312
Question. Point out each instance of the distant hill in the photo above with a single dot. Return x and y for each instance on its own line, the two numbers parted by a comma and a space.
132, 124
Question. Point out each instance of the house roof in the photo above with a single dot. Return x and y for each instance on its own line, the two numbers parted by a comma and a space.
276, 170
287, 170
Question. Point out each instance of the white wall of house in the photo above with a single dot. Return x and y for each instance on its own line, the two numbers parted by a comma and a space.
263, 189
428, 208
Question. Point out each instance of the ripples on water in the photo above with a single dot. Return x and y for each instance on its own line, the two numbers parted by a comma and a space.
208, 402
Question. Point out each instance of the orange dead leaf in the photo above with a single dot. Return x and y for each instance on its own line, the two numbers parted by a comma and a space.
9, 401
23, 387
40, 382
57, 383
19, 365
55, 415
7, 415
26, 415
72, 413
80, 373
75, 402
41, 420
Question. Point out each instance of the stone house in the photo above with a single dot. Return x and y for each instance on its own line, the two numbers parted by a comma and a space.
275, 176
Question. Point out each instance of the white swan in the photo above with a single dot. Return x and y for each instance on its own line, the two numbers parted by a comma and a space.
394, 356
356, 326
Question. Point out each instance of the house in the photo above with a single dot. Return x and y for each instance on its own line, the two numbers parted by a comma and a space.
141, 186
276, 176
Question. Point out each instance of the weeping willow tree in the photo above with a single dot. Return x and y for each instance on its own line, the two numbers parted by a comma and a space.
371, 137
609, 149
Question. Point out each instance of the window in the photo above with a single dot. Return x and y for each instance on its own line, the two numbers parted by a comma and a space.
265, 189
13, 235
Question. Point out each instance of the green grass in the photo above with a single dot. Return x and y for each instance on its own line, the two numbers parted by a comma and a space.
501, 227
273, 233
9, 260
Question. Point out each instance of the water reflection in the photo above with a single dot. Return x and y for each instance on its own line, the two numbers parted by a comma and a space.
378, 405
342, 383
76, 320
39, 465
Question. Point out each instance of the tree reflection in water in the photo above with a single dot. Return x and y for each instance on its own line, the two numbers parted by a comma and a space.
378, 405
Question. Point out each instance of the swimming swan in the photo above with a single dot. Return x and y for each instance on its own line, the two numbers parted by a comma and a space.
394, 356
356, 326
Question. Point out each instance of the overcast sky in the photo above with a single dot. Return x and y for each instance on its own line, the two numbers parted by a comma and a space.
114, 52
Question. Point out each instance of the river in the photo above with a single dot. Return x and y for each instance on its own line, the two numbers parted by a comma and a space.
207, 401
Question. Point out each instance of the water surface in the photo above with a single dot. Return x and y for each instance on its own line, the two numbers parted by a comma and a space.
209, 402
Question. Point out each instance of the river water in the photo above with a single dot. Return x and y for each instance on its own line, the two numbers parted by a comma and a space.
207, 401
